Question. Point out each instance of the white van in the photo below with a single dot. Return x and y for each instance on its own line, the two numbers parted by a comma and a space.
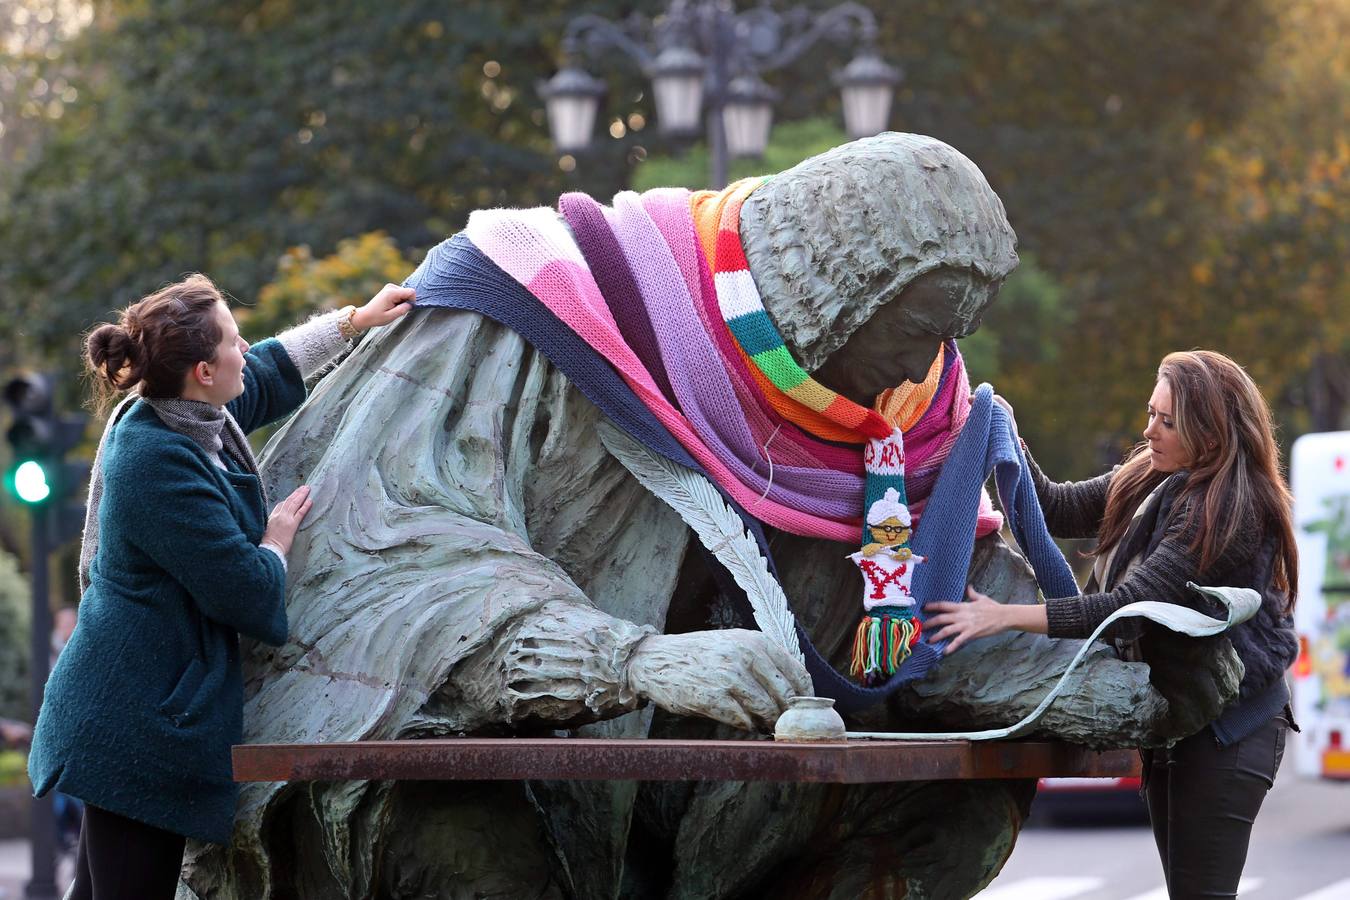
1320, 478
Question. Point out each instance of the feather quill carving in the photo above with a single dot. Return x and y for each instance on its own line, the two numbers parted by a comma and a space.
718, 528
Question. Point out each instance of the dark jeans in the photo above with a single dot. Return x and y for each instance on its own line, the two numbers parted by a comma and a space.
69, 812
122, 859
1202, 801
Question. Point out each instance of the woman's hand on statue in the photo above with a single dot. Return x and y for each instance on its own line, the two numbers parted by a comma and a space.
391, 302
285, 519
980, 616
735, 676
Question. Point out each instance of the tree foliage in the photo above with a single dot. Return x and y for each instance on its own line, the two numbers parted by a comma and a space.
304, 285
1177, 172
792, 142
33, 90
1173, 167
15, 615
209, 137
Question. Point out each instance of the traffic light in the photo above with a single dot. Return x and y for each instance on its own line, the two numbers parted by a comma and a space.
41, 478
40, 440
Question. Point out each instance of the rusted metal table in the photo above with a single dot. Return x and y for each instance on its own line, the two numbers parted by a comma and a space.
588, 759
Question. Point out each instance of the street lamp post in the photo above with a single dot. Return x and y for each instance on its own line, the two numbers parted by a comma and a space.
704, 57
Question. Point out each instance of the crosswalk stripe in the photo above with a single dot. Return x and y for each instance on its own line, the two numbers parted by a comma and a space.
1338, 891
1063, 888
1245, 886
1042, 888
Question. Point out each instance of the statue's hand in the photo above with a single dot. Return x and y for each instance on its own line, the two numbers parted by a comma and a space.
738, 677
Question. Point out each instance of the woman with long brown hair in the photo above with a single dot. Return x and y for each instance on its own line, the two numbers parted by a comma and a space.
1203, 499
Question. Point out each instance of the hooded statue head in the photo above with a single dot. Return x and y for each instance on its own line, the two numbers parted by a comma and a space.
883, 247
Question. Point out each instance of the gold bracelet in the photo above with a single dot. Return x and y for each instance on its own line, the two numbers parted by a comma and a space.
346, 323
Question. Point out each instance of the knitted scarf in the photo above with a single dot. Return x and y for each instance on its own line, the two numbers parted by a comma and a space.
708, 209
703, 387
538, 251
458, 274
669, 211
888, 630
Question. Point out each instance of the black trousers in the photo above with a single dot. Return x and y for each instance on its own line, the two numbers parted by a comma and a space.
1202, 800
122, 859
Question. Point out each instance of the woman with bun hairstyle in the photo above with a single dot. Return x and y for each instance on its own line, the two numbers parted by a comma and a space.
1202, 499
180, 558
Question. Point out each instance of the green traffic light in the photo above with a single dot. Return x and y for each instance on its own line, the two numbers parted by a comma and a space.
30, 482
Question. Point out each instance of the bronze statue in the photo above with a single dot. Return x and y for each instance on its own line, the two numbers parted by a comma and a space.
476, 563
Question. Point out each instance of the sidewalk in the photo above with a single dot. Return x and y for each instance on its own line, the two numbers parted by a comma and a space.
15, 862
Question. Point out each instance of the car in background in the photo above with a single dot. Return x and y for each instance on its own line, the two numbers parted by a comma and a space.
1089, 801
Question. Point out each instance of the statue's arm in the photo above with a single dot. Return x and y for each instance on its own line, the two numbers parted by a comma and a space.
1073, 509
568, 663
473, 543
562, 664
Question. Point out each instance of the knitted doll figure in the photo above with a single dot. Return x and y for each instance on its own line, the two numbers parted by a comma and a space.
887, 563
889, 628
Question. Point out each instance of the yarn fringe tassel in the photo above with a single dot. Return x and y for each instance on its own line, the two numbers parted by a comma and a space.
883, 641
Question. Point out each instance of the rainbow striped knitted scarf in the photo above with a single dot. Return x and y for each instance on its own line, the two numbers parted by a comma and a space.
745, 316
696, 346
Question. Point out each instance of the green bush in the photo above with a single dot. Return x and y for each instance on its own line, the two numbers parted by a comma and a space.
15, 616
305, 284
13, 768
791, 142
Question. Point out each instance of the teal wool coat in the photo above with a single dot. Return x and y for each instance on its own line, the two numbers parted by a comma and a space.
147, 698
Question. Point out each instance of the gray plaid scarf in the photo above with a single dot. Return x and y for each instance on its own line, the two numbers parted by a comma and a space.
211, 427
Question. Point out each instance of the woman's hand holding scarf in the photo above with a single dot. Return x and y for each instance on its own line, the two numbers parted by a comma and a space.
389, 304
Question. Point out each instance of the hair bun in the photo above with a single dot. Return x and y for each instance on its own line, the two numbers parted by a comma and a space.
116, 354
156, 341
